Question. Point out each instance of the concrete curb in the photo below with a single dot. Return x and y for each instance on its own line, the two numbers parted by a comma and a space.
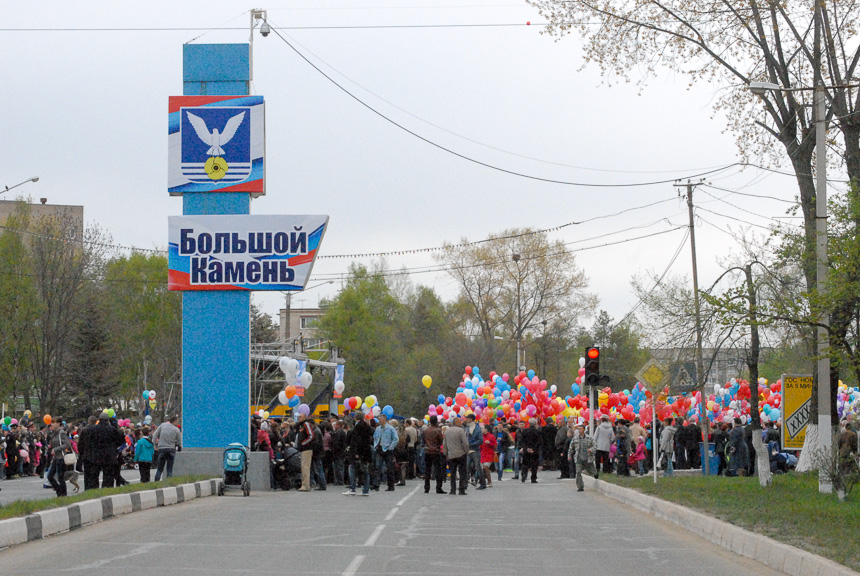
787, 559
57, 520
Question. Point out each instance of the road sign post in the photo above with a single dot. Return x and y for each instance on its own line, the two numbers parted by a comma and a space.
653, 375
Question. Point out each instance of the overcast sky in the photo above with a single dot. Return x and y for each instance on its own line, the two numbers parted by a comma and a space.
86, 111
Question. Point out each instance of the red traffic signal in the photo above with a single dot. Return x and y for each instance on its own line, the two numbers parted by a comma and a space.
592, 353
592, 366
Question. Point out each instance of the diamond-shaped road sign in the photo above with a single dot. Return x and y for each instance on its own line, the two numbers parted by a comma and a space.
653, 374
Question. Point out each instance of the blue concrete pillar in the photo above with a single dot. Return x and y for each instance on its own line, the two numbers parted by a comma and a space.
216, 329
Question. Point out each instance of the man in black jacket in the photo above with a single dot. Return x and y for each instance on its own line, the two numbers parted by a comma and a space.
359, 442
85, 451
530, 446
338, 445
105, 440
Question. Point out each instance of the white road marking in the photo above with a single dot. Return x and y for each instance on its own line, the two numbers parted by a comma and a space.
375, 536
392, 513
408, 496
353, 566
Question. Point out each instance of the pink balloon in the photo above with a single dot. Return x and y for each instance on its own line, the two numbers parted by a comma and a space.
505, 376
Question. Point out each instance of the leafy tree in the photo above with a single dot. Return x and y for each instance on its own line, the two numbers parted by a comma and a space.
263, 329
145, 320
19, 308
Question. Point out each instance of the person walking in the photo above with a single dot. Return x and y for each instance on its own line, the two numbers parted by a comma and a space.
168, 441
488, 454
384, 442
456, 448
581, 451
305, 446
59, 444
738, 452
531, 441
603, 438
433, 440
505, 444
144, 453
476, 439
359, 451
105, 441
667, 446
85, 453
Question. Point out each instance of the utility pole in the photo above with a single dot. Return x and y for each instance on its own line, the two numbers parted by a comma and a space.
700, 372
825, 428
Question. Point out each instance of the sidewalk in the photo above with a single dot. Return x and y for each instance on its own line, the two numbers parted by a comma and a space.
30, 487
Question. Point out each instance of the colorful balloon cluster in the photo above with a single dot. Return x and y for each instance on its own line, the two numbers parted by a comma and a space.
369, 406
848, 401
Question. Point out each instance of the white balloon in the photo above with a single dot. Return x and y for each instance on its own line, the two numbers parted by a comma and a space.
553, 389
582, 362
306, 379
506, 394
717, 388
338, 387
152, 394
284, 364
376, 410
282, 397
475, 380
469, 393
762, 381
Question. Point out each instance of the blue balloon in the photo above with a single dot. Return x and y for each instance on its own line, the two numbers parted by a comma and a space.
497, 393
476, 370
774, 415
388, 411
293, 402
440, 398
531, 374
146, 394
575, 389
517, 405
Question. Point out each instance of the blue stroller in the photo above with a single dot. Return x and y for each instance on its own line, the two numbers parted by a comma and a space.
235, 469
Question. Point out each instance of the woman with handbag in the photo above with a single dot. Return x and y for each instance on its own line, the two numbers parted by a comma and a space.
61, 448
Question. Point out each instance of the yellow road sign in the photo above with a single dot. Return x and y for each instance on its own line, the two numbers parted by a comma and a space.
653, 374
796, 400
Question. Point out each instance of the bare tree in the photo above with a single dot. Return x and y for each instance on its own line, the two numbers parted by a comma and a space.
517, 280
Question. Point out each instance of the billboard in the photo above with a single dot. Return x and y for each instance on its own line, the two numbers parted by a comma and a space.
796, 400
216, 144
242, 252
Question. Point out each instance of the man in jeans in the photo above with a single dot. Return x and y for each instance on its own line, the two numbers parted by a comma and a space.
168, 440
476, 440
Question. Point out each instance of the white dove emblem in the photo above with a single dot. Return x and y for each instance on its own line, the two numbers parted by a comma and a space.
214, 138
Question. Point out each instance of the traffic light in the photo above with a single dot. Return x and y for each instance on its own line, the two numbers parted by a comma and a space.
592, 366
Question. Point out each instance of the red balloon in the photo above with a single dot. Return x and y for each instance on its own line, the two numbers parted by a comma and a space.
460, 399
439, 410
468, 369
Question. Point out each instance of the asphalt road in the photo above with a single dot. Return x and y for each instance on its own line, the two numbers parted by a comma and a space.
30, 487
512, 528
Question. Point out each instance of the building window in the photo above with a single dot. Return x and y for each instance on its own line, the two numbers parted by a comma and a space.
307, 322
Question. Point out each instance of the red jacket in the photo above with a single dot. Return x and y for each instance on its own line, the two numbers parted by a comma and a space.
488, 448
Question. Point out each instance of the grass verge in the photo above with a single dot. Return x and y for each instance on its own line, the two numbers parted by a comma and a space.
26, 507
790, 511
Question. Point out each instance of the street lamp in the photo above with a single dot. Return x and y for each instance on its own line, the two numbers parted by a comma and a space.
825, 440
33, 179
516, 259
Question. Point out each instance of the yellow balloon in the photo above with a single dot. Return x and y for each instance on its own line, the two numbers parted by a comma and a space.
370, 401
427, 381
265, 414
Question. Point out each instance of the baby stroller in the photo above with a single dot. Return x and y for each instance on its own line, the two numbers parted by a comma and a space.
235, 469
287, 470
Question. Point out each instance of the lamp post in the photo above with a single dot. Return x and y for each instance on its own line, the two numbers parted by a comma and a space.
33, 179
825, 440
516, 259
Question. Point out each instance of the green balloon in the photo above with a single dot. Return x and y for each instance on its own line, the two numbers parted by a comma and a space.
7, 420
111, 412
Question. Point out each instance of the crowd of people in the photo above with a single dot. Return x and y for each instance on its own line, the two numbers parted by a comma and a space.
97, 450
363, 454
